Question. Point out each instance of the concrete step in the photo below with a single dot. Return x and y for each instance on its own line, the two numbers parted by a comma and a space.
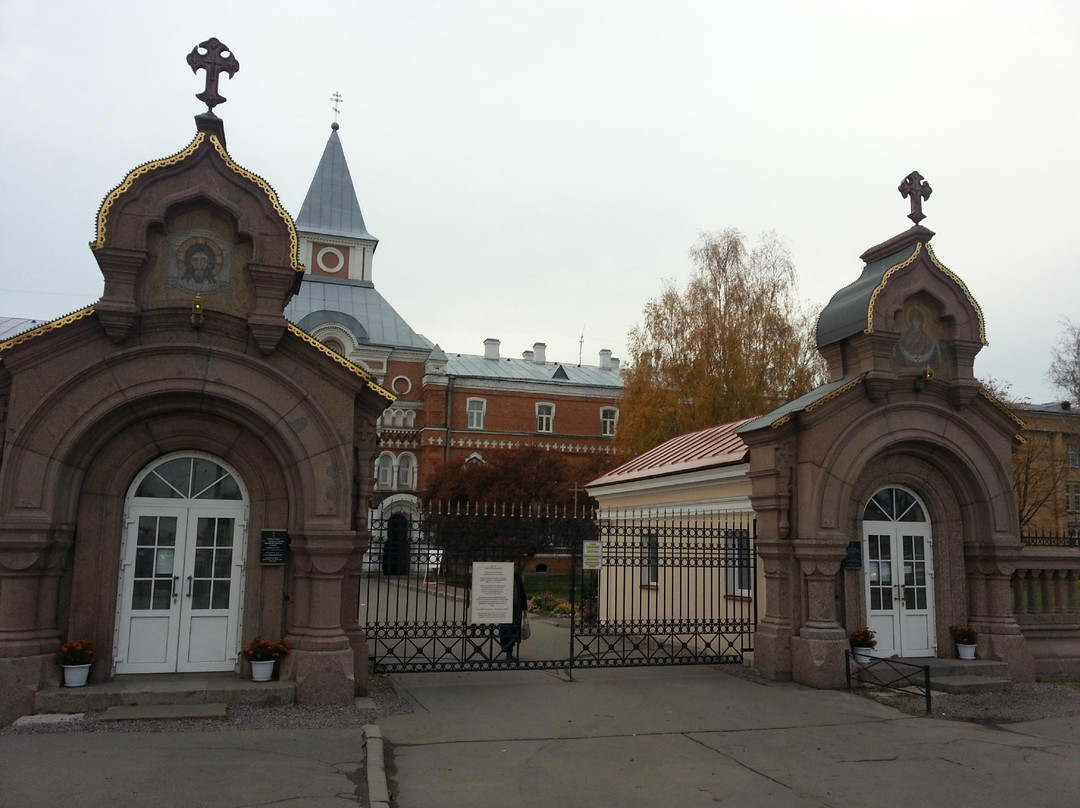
970, 684
164, 689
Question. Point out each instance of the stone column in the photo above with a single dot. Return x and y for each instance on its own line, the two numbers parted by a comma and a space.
818, 652
990, 611
322, 660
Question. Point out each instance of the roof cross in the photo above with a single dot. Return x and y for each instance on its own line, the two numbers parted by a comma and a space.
918, 189
216, 59
337, 99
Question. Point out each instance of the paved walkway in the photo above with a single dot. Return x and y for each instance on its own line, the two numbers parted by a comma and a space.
697, 737
683, 737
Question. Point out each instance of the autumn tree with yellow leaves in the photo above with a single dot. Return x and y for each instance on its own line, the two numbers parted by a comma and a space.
733, 343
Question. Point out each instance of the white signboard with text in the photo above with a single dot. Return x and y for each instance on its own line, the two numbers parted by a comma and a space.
592, 555
492, 592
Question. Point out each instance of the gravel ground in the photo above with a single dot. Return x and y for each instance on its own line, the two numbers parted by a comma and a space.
381, 692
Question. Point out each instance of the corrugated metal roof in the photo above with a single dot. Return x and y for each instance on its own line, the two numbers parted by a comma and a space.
510, 369
708, 448
330, 206
373, 320
13, 326
1058, 407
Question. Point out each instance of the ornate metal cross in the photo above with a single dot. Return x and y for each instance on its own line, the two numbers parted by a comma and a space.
918, 189
216, 59
337, 99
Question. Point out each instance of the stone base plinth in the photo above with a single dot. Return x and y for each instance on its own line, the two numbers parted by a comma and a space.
1011, 649
819, 663
772, 656
358, 641
20, 679
322, 677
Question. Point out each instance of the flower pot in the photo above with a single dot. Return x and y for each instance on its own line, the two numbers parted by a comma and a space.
262, 670
863, 655
75, 675
965, 651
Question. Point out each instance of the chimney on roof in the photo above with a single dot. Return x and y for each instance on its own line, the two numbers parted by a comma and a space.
527, 356
605, 359
614, 363
491, 349
539, 349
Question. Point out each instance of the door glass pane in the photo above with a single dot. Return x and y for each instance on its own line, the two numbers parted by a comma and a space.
140, 596
204, 558
153, 486
222, 563
221, 595
176, 473
200, 595
144, 562
204, 534
224, 532
162, 593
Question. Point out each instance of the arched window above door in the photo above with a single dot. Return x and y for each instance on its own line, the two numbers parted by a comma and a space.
189, 478
894, 505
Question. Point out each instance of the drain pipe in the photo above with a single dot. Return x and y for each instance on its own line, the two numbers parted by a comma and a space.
449, 415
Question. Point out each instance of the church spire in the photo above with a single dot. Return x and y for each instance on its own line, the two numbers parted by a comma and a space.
335, 242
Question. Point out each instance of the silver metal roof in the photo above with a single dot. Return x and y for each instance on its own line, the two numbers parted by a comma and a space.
357, 306
510, 369
13, 326
797, 405
847, 312
330, 207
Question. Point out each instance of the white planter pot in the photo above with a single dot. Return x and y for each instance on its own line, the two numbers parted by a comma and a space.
863, 655
262, 671
965, 651
75, 675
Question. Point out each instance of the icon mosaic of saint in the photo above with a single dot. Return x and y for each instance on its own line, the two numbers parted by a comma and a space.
199, 267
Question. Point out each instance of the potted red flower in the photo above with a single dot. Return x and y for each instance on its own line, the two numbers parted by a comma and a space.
262, 654
862, 643
76, 657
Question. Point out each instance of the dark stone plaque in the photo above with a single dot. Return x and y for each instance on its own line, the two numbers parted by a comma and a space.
853, 560
273, 547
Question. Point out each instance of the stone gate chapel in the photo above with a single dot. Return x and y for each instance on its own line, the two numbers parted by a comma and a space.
150, 441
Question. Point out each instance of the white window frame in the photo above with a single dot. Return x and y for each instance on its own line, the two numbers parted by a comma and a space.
384, 462
740, 569
1072, 455
546, 418
609, 423
650, 559
476, 407
406, 471
1072, 498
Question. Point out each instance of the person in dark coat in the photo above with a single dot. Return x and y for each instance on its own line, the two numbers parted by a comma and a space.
510, 633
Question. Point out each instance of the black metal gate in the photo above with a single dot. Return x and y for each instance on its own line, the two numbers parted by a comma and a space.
643, 589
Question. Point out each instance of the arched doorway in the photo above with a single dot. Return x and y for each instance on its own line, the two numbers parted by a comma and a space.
899, 574
395, 558
182, 559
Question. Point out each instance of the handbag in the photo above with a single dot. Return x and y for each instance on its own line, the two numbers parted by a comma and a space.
525, 629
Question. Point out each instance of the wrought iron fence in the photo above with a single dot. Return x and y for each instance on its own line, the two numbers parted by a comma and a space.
619, 590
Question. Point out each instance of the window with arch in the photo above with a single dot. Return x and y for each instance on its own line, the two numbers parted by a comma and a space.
335, 345
189, 478
545, 417
384, 472
406, 472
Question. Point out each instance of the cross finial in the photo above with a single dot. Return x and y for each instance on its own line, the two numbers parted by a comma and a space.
215, 59
337, 99
918, 189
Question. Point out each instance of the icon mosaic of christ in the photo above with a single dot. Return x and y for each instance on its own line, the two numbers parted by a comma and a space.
199, 266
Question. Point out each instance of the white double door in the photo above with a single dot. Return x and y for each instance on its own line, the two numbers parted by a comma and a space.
899, 587
180, 588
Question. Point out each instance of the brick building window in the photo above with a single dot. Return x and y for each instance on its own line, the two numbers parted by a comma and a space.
609, 417
1072, 456
476, 407
545, 417
384, 472
1072, 498
406, 472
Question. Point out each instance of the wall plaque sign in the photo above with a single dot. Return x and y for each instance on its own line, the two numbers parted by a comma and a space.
273, 547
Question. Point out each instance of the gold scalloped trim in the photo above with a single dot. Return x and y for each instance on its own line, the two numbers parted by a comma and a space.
884, 280
964, 289
294, 244
779, 422
41, 330
129, 180
839, 391
1005, 408
341, 360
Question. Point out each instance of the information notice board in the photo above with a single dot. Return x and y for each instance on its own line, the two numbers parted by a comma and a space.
273, 547
492, 592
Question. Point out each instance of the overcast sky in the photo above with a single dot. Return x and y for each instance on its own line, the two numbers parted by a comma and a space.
535, 170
